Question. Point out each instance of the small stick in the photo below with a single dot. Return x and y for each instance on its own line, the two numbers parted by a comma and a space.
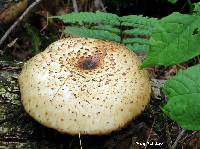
47, 19
178, 138
149, 134
168, 137
99, 4
80, 143
102, 6
18, 20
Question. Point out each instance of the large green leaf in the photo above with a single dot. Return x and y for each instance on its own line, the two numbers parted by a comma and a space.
174, 40
183, 91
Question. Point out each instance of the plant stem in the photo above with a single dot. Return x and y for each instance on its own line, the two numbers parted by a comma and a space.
178, 138
121, 34
190, 5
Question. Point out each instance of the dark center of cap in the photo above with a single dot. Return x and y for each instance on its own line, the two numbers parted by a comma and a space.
88, 63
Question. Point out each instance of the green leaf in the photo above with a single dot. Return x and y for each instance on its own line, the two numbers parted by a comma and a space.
138, 47
172, 1
138, 32
174, 40
183, 91
196, 10
137, 28
137, 20
91, 33
107, 28
89, 17
136, 40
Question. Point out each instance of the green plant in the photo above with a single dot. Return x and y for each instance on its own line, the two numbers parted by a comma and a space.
34, 36
172, 1
183, 91
133, 31
175, 35
188, 2
172, 40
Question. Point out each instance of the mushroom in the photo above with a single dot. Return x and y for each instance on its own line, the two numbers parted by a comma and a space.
84, 86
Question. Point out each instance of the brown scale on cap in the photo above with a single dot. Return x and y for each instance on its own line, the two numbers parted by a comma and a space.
89, 63
86, 86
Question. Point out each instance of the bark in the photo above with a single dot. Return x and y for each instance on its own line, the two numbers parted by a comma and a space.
17, 129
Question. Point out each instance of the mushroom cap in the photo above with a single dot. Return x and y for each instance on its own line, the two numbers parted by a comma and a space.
85, 86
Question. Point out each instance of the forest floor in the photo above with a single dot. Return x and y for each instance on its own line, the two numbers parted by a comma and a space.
152, 129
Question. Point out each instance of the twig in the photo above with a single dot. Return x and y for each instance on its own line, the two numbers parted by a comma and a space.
12, 43
70, 144
18, 20
102, 6
149, 134
189, 135
198, 59
167, 134
99, 4
47, 20
182, 67
80, 143
178, 138
75, 5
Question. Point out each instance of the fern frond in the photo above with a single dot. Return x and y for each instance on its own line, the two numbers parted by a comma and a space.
107, 28
136, 27
132, 20
138, 32
141, 41
90, 18
138, 47
108, 18
91, 33
128, 30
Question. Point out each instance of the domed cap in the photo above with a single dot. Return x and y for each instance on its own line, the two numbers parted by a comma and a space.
85, 86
